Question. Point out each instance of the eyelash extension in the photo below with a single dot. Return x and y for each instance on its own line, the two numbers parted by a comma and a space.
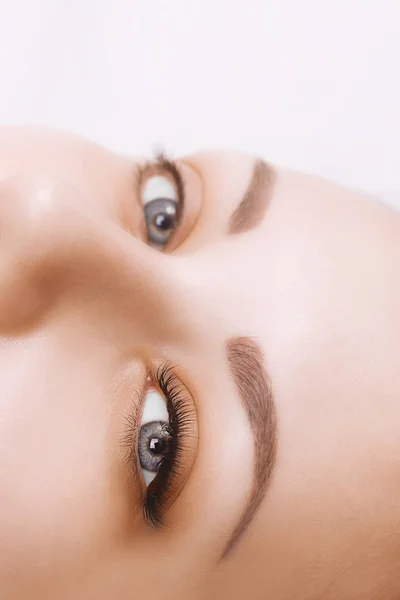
163, 162
179, 428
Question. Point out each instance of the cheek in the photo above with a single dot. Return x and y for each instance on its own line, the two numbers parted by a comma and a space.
64, 497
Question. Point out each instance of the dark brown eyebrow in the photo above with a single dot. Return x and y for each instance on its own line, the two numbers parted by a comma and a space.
255, 201
246, 362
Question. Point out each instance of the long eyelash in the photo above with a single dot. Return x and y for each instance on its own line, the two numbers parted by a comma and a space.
179, 427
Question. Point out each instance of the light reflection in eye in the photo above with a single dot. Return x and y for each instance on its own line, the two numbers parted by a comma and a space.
161, 209
153, 435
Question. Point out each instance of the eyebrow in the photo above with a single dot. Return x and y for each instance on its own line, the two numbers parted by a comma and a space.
255, 201
246, 362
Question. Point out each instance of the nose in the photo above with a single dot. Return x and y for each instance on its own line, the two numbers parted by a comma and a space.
59, 247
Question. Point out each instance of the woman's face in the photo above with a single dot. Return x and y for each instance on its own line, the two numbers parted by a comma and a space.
223, 329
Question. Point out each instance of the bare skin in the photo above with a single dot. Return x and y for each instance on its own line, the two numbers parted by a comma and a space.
88, 310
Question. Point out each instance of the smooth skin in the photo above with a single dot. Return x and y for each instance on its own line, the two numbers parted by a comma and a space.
86, 305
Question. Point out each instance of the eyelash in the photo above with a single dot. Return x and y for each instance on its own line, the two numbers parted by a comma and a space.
179, 428
166, 163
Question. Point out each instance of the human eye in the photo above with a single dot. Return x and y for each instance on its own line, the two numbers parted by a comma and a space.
166, 443
168, 193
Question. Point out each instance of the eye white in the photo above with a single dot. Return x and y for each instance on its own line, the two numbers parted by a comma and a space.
158, 187
154, 409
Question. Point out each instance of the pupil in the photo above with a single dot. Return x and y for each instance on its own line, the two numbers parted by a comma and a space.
164, 221
156, 446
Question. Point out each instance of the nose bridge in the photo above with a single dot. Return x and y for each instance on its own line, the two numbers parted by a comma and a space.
44, 224
224, 285
55, 244
58, 246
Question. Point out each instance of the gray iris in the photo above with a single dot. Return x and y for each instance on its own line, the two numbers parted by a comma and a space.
161, 220
154, 442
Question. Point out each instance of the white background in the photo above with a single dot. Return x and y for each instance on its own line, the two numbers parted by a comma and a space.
310, 84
